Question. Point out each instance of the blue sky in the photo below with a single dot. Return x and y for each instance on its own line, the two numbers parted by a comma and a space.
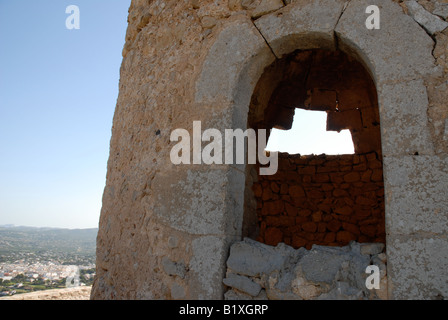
58, 90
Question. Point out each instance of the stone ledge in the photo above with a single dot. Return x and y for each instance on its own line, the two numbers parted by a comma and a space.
79, 293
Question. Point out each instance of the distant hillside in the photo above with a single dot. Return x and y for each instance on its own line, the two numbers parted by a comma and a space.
14, 240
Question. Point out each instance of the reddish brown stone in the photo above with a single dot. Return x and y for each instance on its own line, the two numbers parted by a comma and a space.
280, 221
369, 230
320, 99
284, 164
321, 177
349, 201
327, 187
314, 194
330, 237
360, 167
294, 229
274, 187
301, 160
345, 237
296, 191
340, 193
273, 236
316, 161
301, 219
344, 218
351, 228
306, 179
352, 177
298, 242
307, 170
309, 226
312, 210
299, 202
272, 208
319, 237
275, 196
345, 168
332, 163
362, 213
321, 227
377, 175
349, 99
257, 189
291, 210
267, 194
310, 236
364, 239
365, 201
284, 189
344, 210
317, 216
359, 185
334, 225
322, 169
336, 177
324, 207
371, 156
346, 159
375, 164
365, 177
368, 221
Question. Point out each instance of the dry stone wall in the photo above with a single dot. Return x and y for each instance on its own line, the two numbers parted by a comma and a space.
257, 271
324, 200
165, 230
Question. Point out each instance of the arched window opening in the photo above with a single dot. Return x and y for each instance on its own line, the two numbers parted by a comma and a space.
324, 198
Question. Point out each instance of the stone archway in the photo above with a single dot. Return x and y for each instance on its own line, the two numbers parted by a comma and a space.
318, 199
398, 56
166, 229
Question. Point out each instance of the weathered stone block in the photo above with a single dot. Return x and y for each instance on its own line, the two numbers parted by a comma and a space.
266, 6
416, 267
403, 110
390, 52
238, 50
252, 258
430, 22
243, 284
416, 194
283, 30
207, 266
195, 209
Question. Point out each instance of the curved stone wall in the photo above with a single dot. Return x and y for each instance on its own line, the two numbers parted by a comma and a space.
165, 230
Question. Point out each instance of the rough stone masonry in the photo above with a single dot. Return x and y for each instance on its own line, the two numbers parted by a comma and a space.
166, 230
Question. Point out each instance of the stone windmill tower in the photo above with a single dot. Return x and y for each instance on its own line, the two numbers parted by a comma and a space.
166, 228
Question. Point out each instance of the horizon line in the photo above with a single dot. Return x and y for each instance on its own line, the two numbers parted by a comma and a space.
10, 225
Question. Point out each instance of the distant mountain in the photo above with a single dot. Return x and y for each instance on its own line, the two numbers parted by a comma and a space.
40, 240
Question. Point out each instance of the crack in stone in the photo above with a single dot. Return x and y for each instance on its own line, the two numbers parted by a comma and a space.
265, 40
336, 39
